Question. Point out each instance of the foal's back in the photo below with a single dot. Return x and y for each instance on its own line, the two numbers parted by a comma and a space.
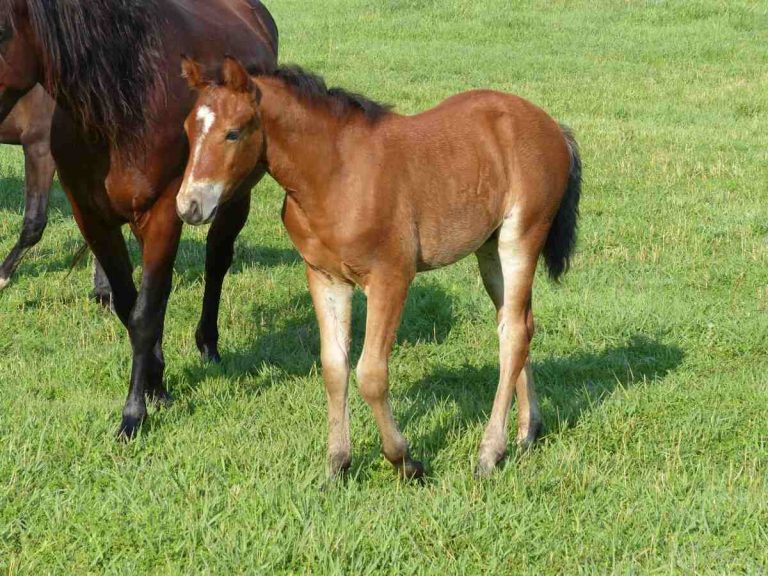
458, 170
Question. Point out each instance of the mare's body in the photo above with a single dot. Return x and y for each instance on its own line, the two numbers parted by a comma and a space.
119, 145
373, 197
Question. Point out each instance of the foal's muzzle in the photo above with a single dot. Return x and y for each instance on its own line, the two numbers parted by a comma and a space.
198, 205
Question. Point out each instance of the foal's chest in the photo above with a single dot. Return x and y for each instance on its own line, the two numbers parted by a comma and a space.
315, 245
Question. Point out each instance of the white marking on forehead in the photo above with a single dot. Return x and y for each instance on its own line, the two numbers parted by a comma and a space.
207, 117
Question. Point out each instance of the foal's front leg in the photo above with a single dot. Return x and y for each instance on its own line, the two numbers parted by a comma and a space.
386, 299
333, 305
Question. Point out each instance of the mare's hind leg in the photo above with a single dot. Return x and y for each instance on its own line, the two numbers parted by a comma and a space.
333, 305
386, 299
102, 292
39, 169
220, 250
507, 266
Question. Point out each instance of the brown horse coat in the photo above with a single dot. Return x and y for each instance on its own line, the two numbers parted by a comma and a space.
112, 66
373, 197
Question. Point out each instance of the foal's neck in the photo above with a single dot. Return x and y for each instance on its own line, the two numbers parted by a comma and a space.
304, 141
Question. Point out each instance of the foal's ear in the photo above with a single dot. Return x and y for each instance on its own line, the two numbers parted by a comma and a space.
193, 72
235, 76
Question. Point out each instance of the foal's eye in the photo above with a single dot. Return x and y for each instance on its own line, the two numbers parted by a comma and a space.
233, 135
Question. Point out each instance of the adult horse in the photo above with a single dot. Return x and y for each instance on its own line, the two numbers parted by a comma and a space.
119, 145
26, 121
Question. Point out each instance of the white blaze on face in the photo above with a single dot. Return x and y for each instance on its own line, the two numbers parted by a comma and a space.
205, 117
205, 193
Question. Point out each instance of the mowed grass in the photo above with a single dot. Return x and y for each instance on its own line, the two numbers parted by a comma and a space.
651, 359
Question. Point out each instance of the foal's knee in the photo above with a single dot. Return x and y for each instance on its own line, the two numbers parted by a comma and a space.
529, 324
335, 366
372, 380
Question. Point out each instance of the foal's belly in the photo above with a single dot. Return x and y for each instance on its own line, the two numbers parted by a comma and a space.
447, 240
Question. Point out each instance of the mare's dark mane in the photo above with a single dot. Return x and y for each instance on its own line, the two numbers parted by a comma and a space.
341, 102
102, 59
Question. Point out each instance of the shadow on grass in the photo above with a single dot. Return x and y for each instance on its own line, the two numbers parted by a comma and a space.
190, 261
290, 341
568, 388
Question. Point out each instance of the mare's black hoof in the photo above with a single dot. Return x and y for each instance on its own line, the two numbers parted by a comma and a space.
104, 299
160, 398
129, 428
210, 354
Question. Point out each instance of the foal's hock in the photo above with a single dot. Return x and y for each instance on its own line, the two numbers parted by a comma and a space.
374, 197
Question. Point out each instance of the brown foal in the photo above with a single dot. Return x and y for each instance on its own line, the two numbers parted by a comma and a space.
373, 197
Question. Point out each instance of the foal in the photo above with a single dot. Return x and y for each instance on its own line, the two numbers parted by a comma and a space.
373, 197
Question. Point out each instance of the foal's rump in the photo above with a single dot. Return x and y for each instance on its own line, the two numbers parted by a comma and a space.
474, 160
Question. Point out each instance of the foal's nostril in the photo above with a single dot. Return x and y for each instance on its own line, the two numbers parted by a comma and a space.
189, 211
194, 211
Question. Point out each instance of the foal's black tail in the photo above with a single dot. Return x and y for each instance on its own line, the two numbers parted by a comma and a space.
562, 236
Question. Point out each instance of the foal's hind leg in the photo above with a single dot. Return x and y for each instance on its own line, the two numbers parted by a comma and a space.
333, 305
507, 266
386, 298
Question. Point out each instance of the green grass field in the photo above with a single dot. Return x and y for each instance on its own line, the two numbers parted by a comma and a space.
651, 359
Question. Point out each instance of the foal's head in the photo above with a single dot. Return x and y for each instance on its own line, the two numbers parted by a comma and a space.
225, 138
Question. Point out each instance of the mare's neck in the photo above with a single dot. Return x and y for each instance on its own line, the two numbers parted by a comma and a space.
303, 149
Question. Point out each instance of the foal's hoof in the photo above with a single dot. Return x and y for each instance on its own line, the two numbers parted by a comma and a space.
410, 469
129, 428
486, 463
526, 439
338, 466
4, 282
484, 470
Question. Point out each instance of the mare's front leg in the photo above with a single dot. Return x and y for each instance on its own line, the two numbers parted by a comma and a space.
386, 299
333, 305
220, 250
39, 169
160, 233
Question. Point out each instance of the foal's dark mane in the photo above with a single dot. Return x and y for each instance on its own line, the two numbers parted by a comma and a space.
341, 102
102, 59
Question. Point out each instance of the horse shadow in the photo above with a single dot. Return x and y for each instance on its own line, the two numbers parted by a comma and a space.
288, 341
189, 267
569, 388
